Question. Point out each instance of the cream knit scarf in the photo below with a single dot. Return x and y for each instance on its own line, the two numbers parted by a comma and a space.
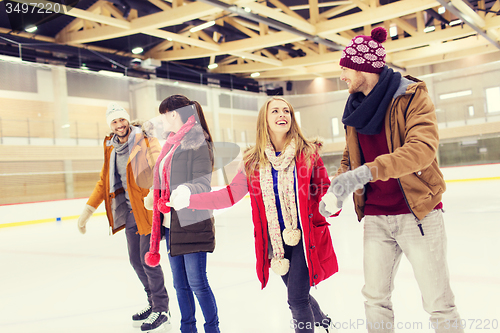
285, 165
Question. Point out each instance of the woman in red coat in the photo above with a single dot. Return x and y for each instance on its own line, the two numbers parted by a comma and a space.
286, 179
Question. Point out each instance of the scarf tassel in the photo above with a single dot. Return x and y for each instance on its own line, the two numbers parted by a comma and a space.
152, 259
280, 266
291, 236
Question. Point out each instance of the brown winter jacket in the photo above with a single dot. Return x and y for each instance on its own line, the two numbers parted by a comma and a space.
139, 179
412, 139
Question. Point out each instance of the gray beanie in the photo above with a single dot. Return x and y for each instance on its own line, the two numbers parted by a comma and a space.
115, 111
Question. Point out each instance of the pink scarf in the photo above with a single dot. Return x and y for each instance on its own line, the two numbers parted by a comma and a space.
159, 206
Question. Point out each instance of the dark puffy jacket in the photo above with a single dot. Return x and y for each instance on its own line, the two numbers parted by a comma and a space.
192, 166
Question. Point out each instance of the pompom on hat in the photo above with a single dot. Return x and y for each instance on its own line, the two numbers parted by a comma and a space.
366, 53
115, 111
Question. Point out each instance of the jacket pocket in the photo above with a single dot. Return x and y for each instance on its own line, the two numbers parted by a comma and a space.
431, 178
323, 243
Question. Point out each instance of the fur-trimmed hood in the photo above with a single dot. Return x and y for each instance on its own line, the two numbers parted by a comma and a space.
195, 138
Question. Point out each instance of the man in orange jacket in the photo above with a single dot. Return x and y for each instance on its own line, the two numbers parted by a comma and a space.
126, 176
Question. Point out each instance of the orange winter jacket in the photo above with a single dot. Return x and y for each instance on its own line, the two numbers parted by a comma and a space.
140, 167
412, 137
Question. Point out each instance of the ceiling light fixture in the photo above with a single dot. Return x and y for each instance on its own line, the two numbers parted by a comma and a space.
202, 26
212, 66
393, 31
31, 29
430, 29
110, 73
455, 22
256, 74
137, 50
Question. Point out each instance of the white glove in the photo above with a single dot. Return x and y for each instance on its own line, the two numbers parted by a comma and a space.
328, 204
179, 198
149, 200
84, 218
348, 182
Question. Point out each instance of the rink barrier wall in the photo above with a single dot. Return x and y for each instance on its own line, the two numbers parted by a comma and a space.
14, 215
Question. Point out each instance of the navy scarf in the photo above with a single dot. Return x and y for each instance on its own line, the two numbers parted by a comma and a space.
366, 113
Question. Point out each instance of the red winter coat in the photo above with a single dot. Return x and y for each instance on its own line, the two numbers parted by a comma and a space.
312, 183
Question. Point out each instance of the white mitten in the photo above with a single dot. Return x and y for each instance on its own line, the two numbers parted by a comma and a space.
179, 198
330, 201
84, 218
149, 200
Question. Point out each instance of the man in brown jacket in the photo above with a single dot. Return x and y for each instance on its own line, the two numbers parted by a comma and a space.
126, 176
390, 164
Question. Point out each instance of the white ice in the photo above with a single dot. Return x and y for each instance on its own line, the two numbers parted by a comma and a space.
53, 279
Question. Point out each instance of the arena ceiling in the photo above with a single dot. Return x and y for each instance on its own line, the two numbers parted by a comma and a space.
280, 40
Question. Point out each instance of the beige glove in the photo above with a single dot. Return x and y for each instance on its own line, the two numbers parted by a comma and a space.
84, 218
149, 200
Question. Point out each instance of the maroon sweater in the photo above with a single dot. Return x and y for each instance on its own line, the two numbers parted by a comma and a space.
382, 197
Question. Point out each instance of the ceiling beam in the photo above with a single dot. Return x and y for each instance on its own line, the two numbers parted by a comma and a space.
374, 15
272, 23
465, 17
327, 58
456, 55
182, 39
175, 16
269, 12
443, 48
161, 4
247, 44
83, 14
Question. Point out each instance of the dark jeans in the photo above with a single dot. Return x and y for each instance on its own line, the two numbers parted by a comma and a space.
190, 276
151, 277
305, 310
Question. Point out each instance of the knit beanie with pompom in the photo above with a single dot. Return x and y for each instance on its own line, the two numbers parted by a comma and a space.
366, 53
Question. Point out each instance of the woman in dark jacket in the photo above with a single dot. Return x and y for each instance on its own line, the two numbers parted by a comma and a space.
185, 164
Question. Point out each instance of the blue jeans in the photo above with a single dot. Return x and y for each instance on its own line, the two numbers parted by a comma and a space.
189, 273
386, 238
305, 309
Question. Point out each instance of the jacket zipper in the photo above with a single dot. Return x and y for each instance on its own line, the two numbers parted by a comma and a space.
311, 263
307, 247
264, 233
419, 224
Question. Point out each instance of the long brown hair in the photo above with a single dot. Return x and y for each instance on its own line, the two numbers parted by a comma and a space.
175, 102
254, 157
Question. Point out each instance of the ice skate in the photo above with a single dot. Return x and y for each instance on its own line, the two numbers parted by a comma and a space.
157, 322
141, 316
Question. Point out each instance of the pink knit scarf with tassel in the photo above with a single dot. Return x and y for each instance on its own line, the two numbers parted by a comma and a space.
159, 206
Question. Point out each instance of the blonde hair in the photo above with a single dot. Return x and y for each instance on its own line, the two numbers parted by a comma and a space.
254, 157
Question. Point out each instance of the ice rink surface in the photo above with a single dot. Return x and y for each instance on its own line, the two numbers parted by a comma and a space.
53, 279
